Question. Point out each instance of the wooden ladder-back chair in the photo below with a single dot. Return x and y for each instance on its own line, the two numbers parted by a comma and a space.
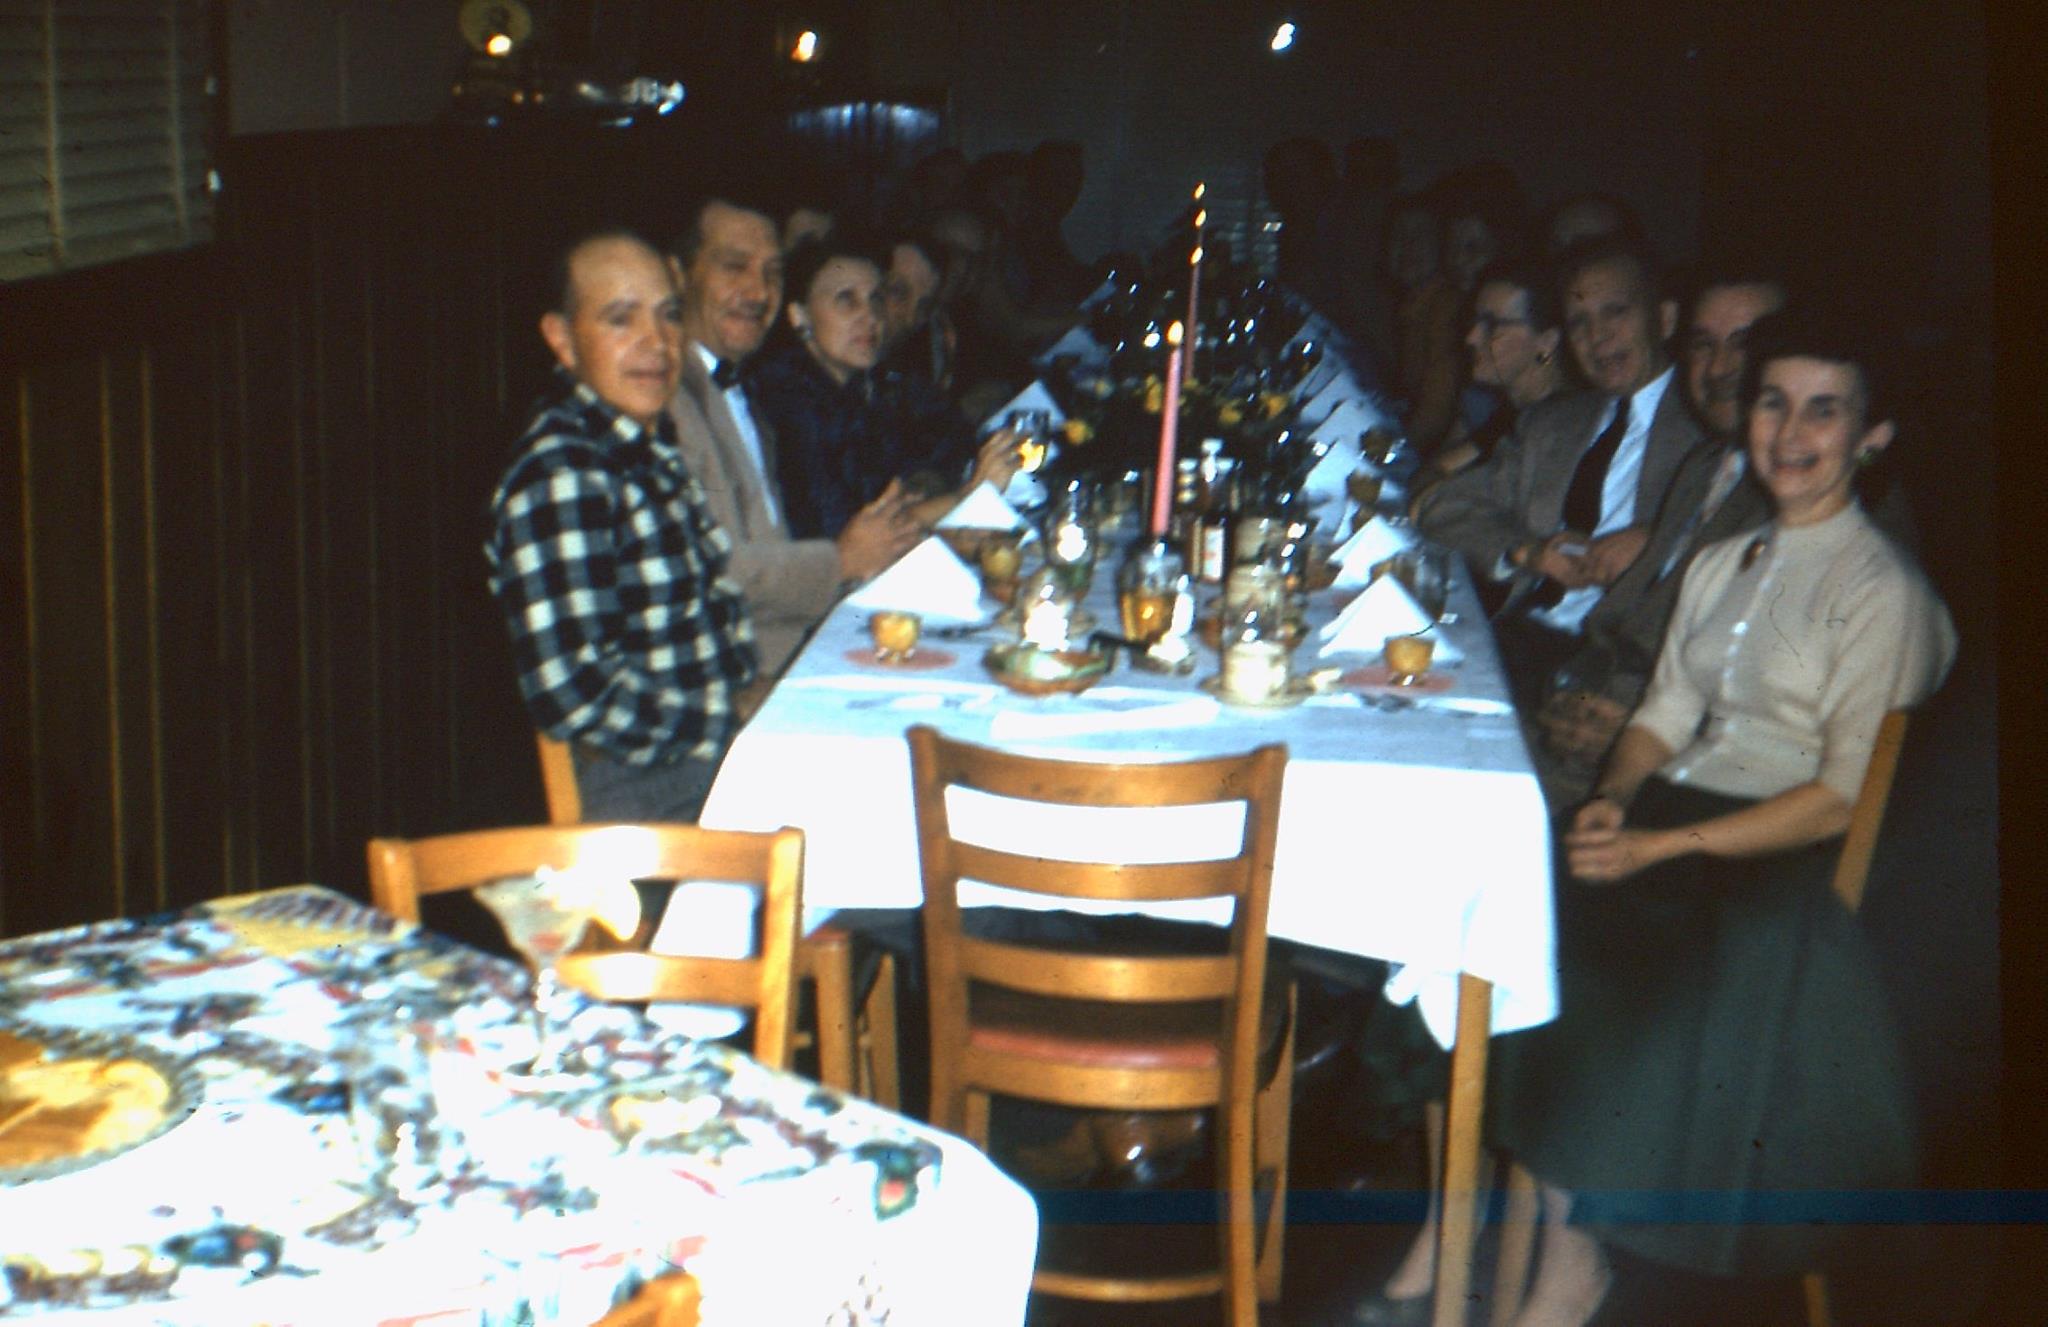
403, 870
1117, 1031
856, 1054
1852, 874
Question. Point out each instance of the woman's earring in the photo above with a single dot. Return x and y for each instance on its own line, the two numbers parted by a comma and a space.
1543, 357
1866, 456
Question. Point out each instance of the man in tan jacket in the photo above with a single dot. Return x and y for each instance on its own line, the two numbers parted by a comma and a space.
728, 264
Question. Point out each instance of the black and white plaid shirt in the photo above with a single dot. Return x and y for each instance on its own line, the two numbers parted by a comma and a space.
626, 630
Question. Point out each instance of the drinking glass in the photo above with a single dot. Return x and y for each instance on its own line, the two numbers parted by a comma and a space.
1408, 658
543, 921
1425, 572
1033, 429
895, 635
1146, 585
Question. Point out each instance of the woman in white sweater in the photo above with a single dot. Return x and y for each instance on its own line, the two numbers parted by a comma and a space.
1723, 1041
1722, 1045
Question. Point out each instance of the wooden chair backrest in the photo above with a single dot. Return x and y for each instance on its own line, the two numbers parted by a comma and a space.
558, 780
402, 871
1852, 870
954, 959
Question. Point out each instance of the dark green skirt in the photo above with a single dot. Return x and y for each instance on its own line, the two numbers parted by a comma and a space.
1723, 1082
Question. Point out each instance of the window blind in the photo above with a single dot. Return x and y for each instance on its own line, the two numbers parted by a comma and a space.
105, 131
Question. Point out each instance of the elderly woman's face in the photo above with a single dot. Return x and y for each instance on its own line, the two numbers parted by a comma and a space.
1503, 342
1469, 245
908, 293
1412, 248
841, 318
1806, 431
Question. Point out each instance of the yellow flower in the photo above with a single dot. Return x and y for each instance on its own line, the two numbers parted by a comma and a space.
1275, 403
1228, 414
1155, 396
1078, 432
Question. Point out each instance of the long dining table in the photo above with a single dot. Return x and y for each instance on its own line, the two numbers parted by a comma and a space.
1412, 827
347, 1139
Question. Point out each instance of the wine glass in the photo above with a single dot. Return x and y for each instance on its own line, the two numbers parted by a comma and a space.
544, 916
1426, 574
1033, 429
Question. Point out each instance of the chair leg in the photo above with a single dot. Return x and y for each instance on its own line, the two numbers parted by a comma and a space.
1819, 1312
828, 960
1459, 1201
879, 1070
974, 1118
1272, 1118
1240, 1219
1517, 1245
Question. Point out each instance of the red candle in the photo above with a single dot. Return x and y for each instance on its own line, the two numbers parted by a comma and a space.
1169, 423
1195, 282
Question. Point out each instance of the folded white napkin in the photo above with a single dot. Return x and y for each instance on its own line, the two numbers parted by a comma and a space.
1340, 388
1034, 397
928, 580
982, 509
1383, 610
1078, 343
1315, 327
1371, 544
1081, 716
1325, 487
1350, 419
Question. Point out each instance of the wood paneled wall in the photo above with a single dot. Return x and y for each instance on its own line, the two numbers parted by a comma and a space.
243, 623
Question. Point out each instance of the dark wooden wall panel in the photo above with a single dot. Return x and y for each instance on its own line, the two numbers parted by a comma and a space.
75, 868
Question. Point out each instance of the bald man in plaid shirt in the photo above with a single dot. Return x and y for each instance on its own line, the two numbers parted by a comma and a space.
632, 643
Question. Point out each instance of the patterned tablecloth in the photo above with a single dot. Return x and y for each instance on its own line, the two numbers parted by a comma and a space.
350, 1150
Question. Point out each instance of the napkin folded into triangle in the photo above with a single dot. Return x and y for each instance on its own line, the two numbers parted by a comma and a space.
1383, 610
928, 580
982, 509
1371, 544
1034, 397
1344, 424
1339, 388
1325, 489
1077, 343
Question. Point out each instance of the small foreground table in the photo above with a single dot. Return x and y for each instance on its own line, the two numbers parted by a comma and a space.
789, 1203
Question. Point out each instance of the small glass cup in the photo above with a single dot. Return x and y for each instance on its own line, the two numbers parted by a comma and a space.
1425, 572
1033, 428
1408, 658
895, 635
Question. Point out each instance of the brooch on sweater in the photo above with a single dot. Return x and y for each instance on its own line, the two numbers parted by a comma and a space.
1753, 552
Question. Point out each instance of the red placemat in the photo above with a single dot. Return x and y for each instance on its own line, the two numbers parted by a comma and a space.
1375, 677
921, 662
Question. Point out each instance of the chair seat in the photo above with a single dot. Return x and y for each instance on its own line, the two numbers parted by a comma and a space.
1118, 1035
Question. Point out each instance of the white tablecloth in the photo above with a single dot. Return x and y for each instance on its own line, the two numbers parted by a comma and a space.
1418, 836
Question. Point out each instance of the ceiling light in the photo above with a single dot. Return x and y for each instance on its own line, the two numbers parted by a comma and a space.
806, 48
1283, 37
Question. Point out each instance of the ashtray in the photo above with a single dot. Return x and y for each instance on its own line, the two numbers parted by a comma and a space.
1032, 671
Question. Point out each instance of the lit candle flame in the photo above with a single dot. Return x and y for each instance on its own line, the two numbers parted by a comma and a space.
499, 44
1201, 188
806, 47
1194, 260
1201, 218
1173, 332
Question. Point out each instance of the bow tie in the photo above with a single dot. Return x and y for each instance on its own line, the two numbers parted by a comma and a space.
726, 374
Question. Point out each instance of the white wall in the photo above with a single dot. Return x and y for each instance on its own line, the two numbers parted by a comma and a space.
332, 64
